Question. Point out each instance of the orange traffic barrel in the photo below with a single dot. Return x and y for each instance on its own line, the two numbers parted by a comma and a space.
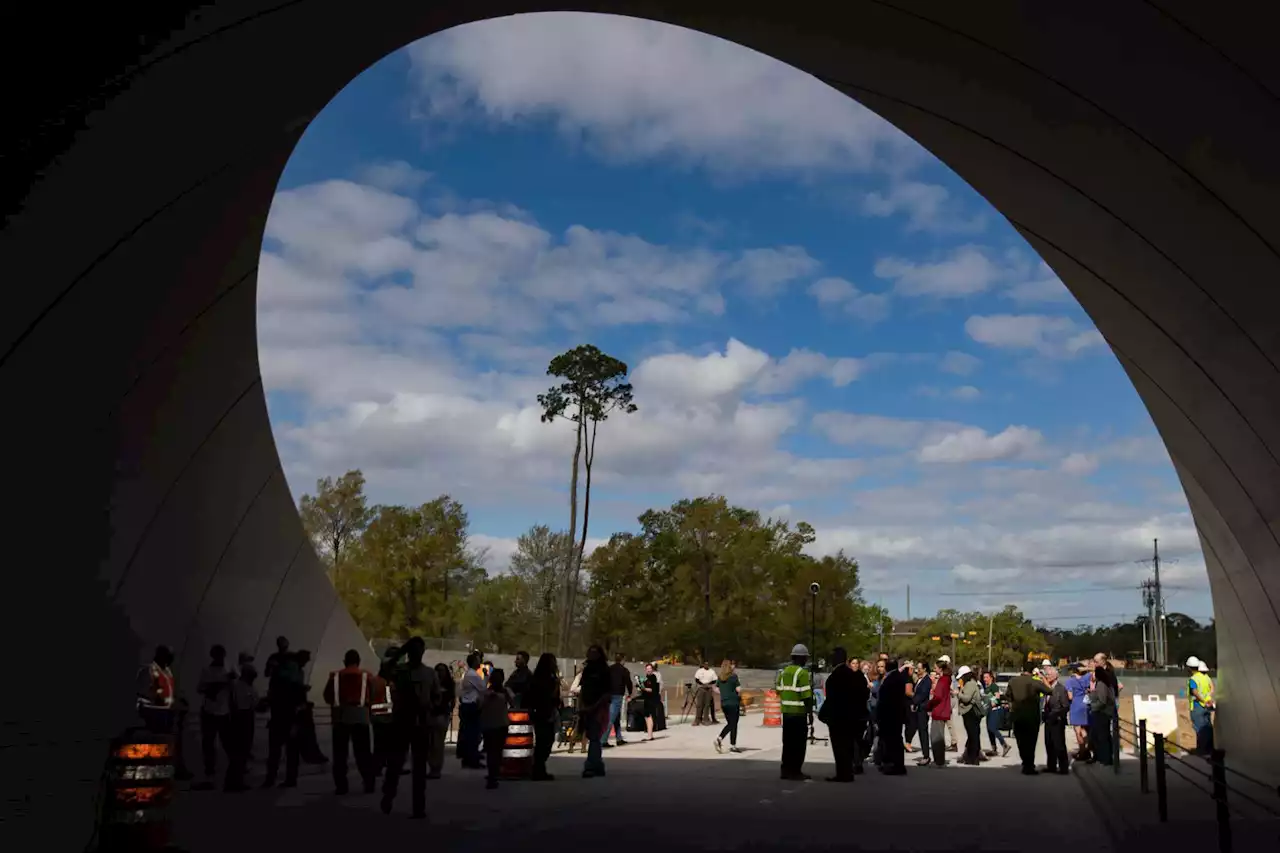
772, 709
517, 750
139, 790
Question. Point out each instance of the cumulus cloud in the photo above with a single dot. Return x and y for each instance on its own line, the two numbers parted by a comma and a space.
1043, 286
972, 444
837, 294
1079, 464
959, 363
638, 90
1051, 336
928, 207
967, 271
739, 369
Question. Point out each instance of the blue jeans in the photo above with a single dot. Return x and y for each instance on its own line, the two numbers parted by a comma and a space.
1202, 722
993, 728
595, 757
615, 719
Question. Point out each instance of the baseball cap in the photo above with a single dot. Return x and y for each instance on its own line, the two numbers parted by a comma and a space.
963, 671
945, 659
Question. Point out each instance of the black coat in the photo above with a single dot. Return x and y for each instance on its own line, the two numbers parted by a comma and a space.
891, 710
839, 708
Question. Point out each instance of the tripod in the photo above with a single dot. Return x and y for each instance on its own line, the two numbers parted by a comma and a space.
688, 702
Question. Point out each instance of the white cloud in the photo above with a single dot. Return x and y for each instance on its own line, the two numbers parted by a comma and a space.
766, 272
975, 445
1044, 286
879, 431
966, 272
961, 393
1079, 464
738, 370
394, 176
637, 90
964, 393
959, 363
842, 295
1051, 336
928, 207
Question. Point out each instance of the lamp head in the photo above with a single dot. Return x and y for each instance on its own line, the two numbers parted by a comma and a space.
813, 588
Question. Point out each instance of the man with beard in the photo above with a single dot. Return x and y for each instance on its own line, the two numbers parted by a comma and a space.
838, 714
891, 716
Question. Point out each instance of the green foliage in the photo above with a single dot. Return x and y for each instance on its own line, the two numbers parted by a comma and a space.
1012, 636
336, 516
1185, 637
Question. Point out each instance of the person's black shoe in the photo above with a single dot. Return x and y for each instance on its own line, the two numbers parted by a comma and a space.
342, 792
621, 742
491, 784
386, 804
923, 762
606, 746
418, 816
588, 774
1064, 772
1005, 752
1030, 771
268, 783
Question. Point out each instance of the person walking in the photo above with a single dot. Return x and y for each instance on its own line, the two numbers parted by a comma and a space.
542, 698
348, 693
995, 706
494, 707
795, 692
593, 708
730, 702
414, 694
969, 707
1200, 694
1024, 692
214, 687
620, 689
1056, 708
837, 714
939, 706
891, 713
441, 717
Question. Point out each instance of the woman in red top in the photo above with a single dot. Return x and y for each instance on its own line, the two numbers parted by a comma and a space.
940, 713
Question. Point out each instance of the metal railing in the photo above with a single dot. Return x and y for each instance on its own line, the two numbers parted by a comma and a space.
1212, 782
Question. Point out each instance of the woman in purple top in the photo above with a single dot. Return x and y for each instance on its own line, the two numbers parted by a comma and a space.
1078, 716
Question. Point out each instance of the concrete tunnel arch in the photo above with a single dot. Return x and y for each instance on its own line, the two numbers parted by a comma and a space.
1133, 145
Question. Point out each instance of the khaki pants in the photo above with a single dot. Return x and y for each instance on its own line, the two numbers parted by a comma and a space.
435, 744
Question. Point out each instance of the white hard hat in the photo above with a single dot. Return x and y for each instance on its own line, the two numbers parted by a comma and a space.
1193, 662
799, 650
963, 671
945, 659
1204, 667
1046, 663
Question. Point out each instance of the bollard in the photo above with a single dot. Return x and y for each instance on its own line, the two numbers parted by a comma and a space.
1142, 756
1162, 795
1218, 761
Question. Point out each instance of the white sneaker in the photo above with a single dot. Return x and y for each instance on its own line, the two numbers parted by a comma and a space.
719, 746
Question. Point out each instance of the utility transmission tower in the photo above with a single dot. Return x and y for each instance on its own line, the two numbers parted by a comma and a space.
1153, 601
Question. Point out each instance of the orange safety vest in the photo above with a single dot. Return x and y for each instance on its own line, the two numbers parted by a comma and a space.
382, 705
160, 693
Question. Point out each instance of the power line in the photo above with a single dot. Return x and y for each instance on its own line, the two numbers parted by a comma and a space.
1038, 591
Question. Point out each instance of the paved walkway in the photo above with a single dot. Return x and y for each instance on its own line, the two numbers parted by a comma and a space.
672, 794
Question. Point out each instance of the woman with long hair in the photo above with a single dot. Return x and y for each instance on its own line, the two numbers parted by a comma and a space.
593, 708
441, 719
992, 691
649, 691
1102, 710
731, 703
543, 699
969, 705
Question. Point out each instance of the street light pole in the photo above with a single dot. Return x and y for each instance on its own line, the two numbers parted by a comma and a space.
991, 621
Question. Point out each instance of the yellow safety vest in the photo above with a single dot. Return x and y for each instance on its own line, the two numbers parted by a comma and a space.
1204, 686
794, 688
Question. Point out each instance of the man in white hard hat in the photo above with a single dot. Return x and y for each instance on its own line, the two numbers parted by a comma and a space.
1200, 700
795, 694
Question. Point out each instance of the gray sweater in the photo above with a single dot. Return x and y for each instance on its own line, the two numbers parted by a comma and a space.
968, 697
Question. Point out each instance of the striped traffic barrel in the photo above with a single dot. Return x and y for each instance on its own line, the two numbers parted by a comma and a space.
772, 709
139, 789
517, 750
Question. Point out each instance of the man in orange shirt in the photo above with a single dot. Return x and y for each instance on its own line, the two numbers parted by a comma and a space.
350, 692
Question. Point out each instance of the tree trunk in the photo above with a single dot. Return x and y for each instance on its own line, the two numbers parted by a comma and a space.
588, 459
566, 619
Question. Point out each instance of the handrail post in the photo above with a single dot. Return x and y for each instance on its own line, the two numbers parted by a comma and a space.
1142, 756
1115, 742
1162, 795
1218, 761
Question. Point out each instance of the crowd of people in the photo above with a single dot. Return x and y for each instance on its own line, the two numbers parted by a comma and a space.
874, 710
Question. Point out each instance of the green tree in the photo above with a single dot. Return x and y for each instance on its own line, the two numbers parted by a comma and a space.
335, 517
540, 563
593, 387
413, 570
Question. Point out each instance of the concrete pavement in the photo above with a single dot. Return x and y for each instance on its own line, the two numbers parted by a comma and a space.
673, 793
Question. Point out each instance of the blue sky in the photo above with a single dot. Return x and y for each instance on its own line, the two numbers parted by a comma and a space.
822, 321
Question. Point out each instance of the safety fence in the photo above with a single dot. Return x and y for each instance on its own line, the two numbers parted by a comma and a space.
1207, 775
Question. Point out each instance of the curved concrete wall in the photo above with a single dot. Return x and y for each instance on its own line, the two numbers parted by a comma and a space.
1132, 144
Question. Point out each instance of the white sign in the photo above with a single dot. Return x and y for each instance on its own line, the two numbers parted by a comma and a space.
1161, 714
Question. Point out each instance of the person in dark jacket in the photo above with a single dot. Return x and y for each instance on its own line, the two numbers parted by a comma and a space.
542, 698
596, 691
518, 681
920, 707
890, 718
1056, 709
415, 694
1024, 694
838, 714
